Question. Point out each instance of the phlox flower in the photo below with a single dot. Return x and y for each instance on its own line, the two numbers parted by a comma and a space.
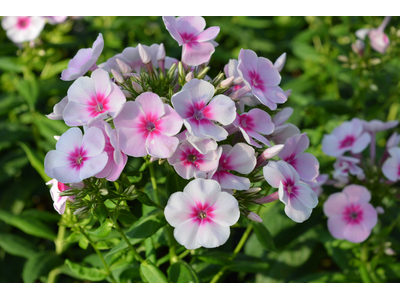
348, 136
56, 19
58, 109
393, 141
200, 144
253, 123
378, 39
83, 61
77, 156
298, 197
200, 110
306, 165
55, 191
391, 167
91, 97
147, 126
350, 216
316, 186
345, 165
283, 130
187, 160
240, 158
22, 29
197, 44
116, 158
202, 214
261, 78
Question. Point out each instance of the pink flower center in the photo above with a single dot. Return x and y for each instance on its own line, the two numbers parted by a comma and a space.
23, 22
290, 187
398, 170
97, 105
202, 213
62, 187
246, 121
188, 37
347, 142
150, 126
192, 157
256, 81
198, 115
353, 214
224, 163
77, 158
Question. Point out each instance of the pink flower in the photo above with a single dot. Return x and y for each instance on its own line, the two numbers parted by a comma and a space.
253, 123
58, 109
83, 61
283, 131
374, 126
306, 165
346, 165
348, 136
76, 157
298, 197
199, 110
116, 158
350, 216
55, 191
202, 214
319, 182
91, 97
378, 39
147, 126
358, 47
22, 29
261, 78
393, 141
187, 160
56, 19
391, 167
198, 44
240, 158
200, 144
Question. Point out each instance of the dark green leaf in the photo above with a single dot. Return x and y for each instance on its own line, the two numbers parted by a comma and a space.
39, 264
249, 266
264, 237
126, 217
28, 225
101, 212
16, 245
215, 257
86, 273
181, 272
36, 160
29, 90
142, 197
150, 273
10, 64
41, 215
104, 230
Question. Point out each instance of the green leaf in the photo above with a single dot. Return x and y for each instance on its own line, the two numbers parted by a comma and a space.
101, 212
104, 230
264, 237
215, 257
28, 225
35, 159
144, 198
29, 90
248, 266
126, 217
83, 242
38, 265
150, 273
41, 215
181, 272
16, 245
142, 229
86, 273
10, 64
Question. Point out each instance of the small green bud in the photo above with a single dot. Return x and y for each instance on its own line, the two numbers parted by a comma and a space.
181, 70
203, 73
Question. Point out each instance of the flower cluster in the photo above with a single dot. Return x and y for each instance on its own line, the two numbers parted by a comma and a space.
141, 103
350, 216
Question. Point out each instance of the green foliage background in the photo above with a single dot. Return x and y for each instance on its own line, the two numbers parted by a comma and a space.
329, 83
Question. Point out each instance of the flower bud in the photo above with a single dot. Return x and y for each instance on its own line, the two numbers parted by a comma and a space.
254, 217
123, 67
181, 70
161, 52
144, 55
126, 93
103, 192
268, 154
171, 71
253, 191
227, 82
358, 47
118, 77
129, 190
379, 210
203, 73
137, 87
189, 76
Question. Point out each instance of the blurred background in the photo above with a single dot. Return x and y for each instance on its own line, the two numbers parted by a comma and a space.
330, 84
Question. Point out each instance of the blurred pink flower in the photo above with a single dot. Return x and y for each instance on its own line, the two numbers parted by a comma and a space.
391, 167
378, 39
55, 191
345, 165
22, 29
350, 216
202, 214
56, 19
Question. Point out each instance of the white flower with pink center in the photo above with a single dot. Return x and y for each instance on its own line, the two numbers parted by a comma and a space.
22, 29
348, 136
306, 165
147, 126
298, 197
350, 215
253, 123
187, 160
83, 61
261, 78
240, 158
391, 167
116, 158
77, 156
202, 214
198, 44
90, 97
199, 110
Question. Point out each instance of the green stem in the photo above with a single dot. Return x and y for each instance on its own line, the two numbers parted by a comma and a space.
53, 275
154, 182
99, 254
186, 252
59, 241
135, 253
173, 258
235, 253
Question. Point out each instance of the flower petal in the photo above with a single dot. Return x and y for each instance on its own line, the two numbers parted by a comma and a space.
335, 204
226, 210
356, 233
336, 226
194, 54
179, 208
203, 192
186, 233
211, 234
357, 193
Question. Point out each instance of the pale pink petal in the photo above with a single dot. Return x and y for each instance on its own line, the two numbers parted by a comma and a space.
132, 141
395, 152
272, 174
280, 62
171, 123
192, 126
226, 210
270, 76
160, 145
116, 100
306, 195
242, 158
286, 133
248, 139
200, 91
82, 90
230, 181
194, 54
186, 234
275, 94
357, 193
330, 146
102, 83
391, 169
306, 165
190, 25
54, 159
222, 109
78, 65
259, 94
211, 130
170, 24
356, 233
93, 142
211, 234
67, 174
259, 137
369, 217
117, 168
58, 109
203, 191
208, 34
361, 143
294, 146
75, 114
297, 211
282, 116
179, 208
261, 121
336, 226
93, 165
335, 204
247, 62
182, 103
184, 169
152, 106
70, 140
